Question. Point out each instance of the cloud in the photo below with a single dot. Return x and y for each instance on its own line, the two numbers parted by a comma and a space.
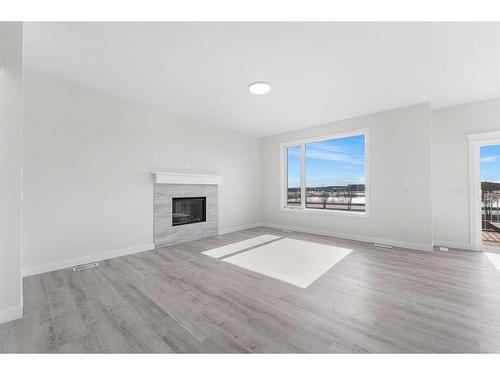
489, 159
325, 151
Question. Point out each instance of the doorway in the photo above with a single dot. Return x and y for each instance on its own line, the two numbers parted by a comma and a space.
485, 191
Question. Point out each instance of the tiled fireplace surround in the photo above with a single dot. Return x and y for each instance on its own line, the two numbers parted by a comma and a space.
168, 186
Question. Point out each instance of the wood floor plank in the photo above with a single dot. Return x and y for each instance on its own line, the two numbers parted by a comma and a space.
176, 299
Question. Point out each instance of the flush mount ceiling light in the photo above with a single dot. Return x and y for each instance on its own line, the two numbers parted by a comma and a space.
259, 88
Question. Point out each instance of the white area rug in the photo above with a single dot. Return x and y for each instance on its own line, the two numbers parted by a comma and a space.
219, 252
296, 262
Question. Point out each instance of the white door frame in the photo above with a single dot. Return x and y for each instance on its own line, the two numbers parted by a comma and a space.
475, 142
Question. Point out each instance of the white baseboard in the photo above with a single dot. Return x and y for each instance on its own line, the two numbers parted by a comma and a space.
137, 249
455, 245
86, 259
241, 227
67, 263
395, 243
11, 313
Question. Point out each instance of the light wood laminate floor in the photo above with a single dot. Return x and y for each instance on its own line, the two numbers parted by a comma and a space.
176, 299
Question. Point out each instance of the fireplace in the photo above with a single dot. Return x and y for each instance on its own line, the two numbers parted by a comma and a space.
173, 211
188, 210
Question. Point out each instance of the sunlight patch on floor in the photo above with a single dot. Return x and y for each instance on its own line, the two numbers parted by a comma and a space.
494, 259
296, 262
222, 251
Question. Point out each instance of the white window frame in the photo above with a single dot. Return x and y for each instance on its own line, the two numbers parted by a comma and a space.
302, 144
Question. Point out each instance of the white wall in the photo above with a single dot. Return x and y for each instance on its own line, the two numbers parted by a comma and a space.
88, 158
399, 181
450, 167
11, 94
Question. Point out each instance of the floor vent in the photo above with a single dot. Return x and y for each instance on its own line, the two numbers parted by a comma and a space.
382, 245
85, 266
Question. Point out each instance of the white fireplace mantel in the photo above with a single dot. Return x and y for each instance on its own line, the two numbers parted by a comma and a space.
186, 178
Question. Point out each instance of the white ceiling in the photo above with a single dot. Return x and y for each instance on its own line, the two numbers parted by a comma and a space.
320, 72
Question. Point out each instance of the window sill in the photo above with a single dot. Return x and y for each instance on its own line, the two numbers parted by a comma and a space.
319, 211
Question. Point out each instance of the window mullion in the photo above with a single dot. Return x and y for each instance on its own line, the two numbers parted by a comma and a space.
303, 175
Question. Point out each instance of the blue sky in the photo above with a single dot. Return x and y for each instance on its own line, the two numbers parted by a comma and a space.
490, 163
334, 162
294, 166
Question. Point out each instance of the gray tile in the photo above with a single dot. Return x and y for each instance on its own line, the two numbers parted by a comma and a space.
164, 232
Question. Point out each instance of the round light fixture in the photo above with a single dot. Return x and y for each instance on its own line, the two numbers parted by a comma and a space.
259, 88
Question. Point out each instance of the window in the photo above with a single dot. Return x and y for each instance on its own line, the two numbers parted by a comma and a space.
327, 174
293, 176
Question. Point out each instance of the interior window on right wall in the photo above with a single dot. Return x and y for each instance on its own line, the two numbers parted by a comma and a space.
335, 174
